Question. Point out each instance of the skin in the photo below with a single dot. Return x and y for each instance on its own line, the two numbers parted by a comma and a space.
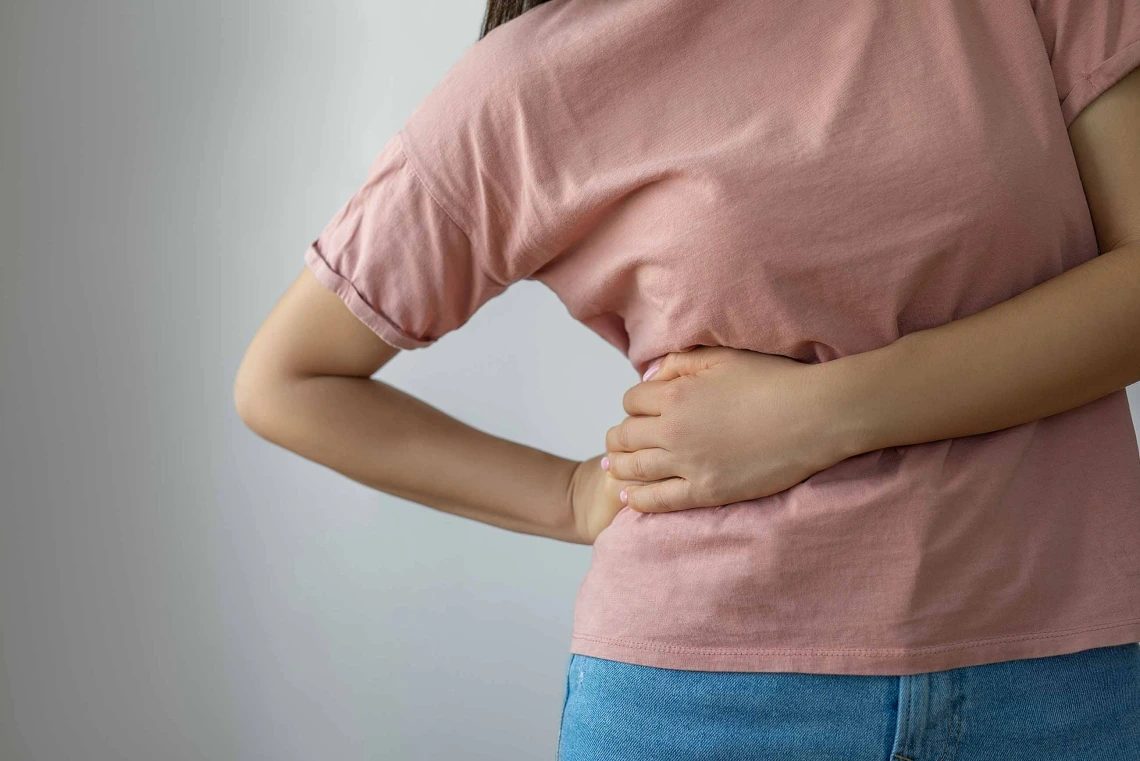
716, 425
305, 384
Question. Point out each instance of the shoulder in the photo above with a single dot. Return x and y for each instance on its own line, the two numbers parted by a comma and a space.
514, 70
497, 117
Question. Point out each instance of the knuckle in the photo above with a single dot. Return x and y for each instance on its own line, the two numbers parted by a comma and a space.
660, 501
640, 500
698, 487
623, 436
678, 390
638, 466
618, 467
671, 429
612, 438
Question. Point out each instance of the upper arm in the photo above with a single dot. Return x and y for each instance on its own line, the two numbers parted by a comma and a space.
1093, 48
308, 332
451, 211
1106, 142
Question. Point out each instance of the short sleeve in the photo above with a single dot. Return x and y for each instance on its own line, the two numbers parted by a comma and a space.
397, 259
449, 213
1092, 45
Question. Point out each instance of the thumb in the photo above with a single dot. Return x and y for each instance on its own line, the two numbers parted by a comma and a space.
678, 363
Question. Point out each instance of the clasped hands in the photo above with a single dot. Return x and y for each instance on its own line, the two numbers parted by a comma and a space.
711, 426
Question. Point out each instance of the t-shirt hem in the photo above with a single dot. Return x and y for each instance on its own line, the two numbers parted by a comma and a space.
858, 661
1095, 82
373, 318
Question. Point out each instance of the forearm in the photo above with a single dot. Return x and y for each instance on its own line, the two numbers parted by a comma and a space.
384, 438
1066, 342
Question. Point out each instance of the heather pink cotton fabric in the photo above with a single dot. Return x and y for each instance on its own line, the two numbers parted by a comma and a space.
812, 179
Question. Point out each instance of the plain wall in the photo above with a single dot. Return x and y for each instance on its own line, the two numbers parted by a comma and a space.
172, 586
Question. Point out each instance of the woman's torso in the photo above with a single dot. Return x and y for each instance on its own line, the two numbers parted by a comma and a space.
810, 179
816, 180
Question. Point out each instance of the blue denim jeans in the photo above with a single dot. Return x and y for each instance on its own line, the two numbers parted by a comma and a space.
1072, 707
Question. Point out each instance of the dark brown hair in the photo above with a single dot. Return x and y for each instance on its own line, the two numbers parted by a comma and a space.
502, 11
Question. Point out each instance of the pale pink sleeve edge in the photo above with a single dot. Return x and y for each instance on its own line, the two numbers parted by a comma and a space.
1099, 79
379, 323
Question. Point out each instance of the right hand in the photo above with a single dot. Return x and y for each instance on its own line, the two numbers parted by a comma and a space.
594, 498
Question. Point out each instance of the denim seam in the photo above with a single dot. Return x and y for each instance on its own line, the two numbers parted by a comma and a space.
903, 721
960, 721
956, 718
565, 701
910, 682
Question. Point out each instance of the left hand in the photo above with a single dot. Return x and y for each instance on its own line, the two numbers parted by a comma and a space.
715, 425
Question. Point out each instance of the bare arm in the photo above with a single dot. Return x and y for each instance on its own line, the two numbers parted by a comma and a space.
1061, 344
717, 425
305, 384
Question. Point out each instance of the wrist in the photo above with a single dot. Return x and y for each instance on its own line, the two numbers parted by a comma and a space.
575, 519
855, 390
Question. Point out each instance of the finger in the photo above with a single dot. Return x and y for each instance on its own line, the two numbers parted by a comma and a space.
613, 489
665, 496
643, 398
690, 362
634, 433
642, 465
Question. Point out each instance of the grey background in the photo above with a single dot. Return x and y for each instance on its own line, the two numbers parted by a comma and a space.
171, 586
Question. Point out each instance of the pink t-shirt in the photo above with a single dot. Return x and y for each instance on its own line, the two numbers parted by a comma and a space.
812, 179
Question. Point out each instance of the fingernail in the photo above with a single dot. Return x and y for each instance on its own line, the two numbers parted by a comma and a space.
652, 369
605, 463
624, 497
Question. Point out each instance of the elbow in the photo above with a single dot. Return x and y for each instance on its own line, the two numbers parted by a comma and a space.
244, 401
251, 398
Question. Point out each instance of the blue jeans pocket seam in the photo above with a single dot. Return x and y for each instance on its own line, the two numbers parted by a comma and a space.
565, 701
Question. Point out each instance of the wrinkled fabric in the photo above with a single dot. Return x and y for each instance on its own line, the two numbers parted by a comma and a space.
807, 179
